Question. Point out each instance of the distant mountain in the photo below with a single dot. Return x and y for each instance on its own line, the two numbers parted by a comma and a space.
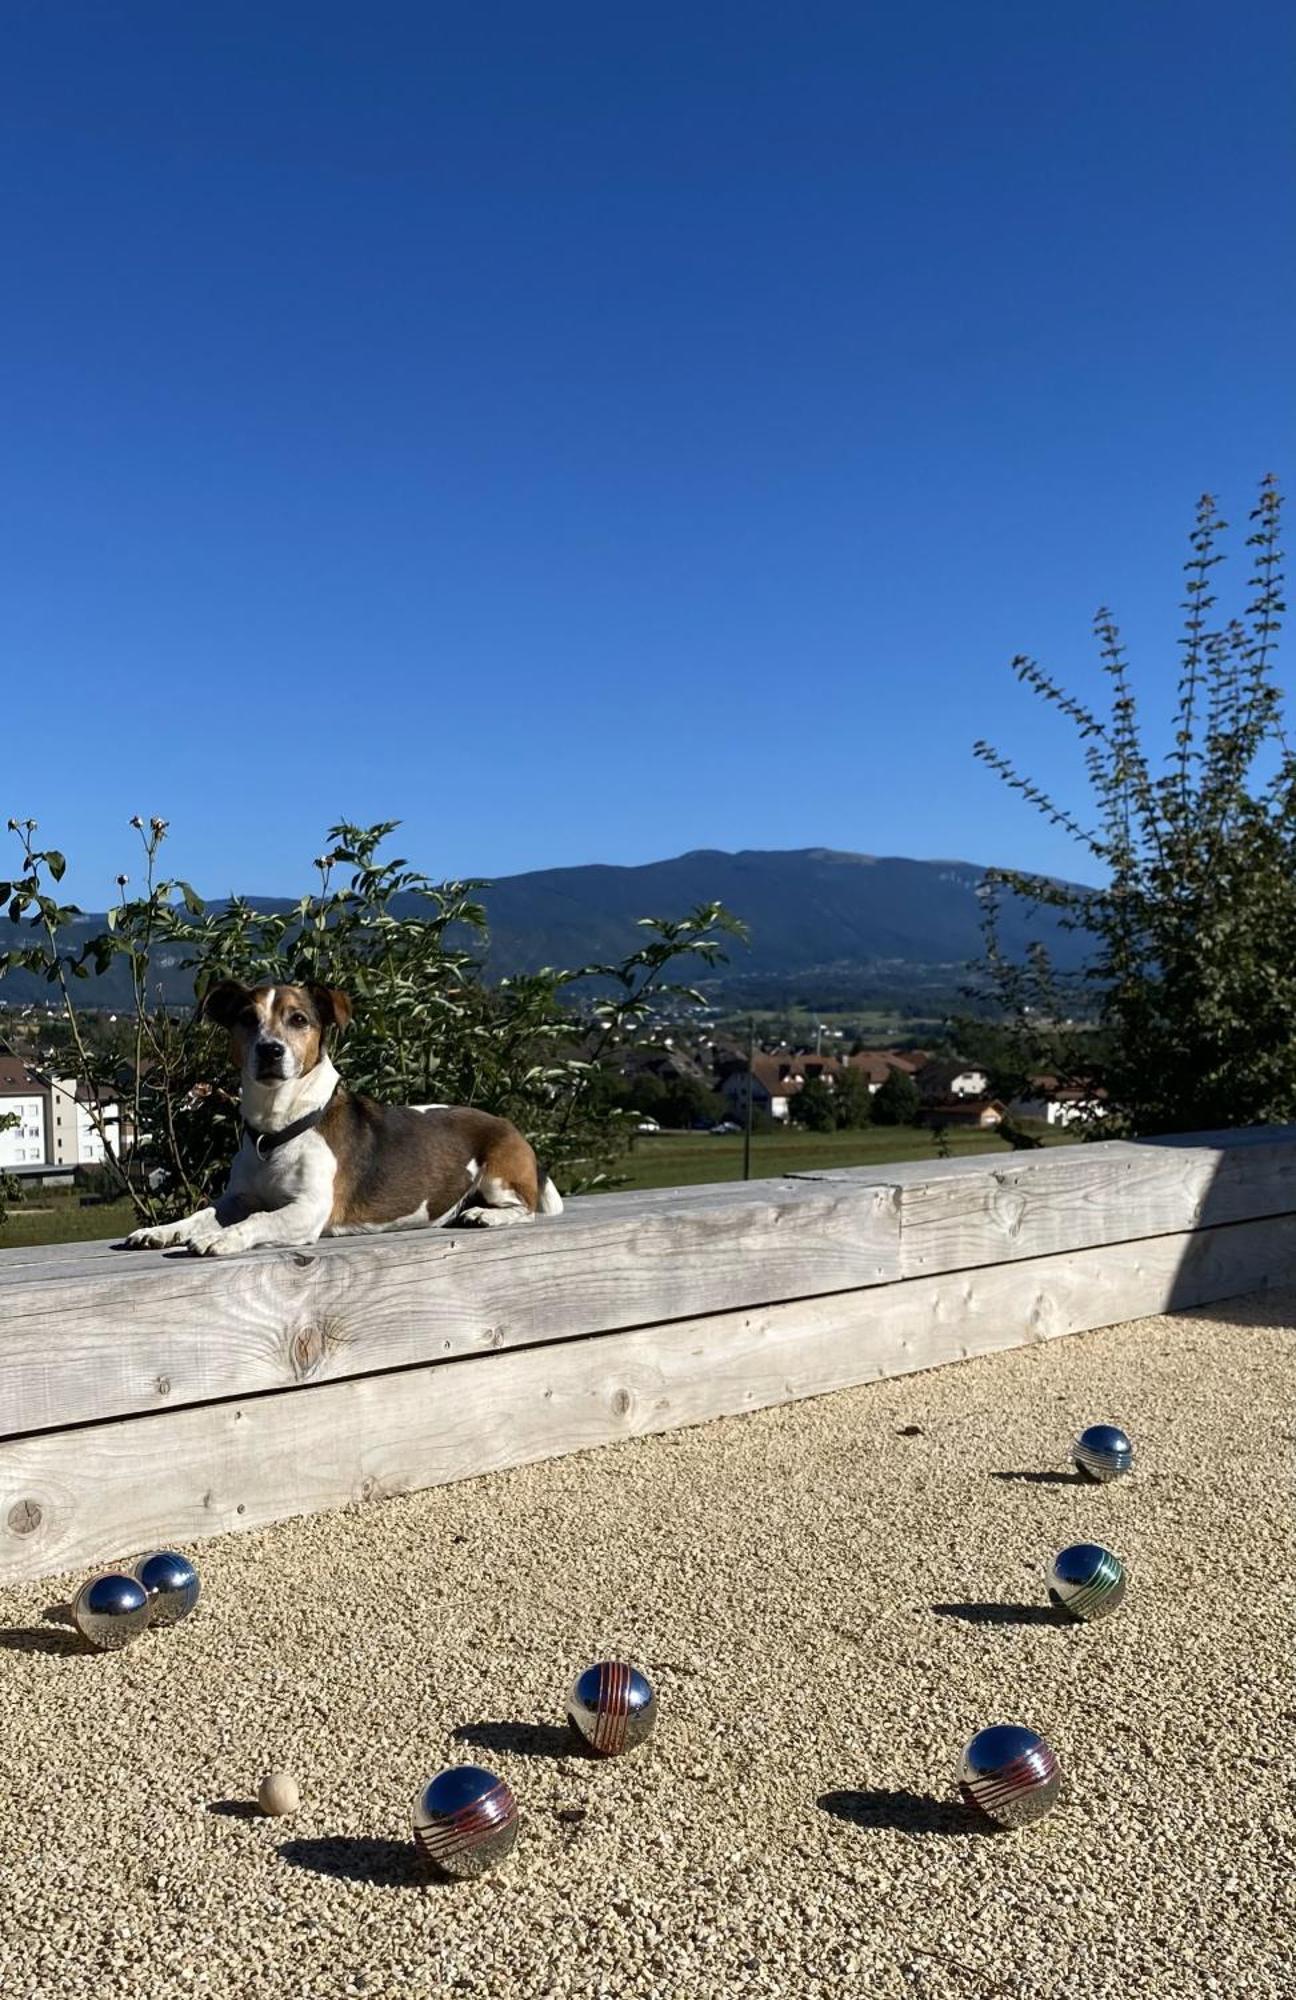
815, 916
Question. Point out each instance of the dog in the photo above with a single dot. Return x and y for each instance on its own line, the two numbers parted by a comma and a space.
317, 1160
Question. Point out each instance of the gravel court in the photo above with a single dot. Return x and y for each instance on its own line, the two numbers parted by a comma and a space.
830, 1598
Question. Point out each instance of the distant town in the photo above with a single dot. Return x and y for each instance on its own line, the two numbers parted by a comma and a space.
684, 1075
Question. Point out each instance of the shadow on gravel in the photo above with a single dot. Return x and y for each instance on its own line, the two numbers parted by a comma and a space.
390, 1864
38, 1639
1004, 1614
235, 1809
523, 1739
1044, 1478
904, 1812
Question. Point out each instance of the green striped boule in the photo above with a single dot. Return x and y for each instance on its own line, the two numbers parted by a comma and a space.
1087, 1581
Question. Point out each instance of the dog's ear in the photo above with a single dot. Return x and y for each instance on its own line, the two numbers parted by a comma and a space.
332, 1005
224, 1002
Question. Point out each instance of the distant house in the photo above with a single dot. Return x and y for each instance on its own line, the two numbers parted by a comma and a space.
949, 1076
774, 1081
667, 1064
1058, 1103
876, 1065
981, 1113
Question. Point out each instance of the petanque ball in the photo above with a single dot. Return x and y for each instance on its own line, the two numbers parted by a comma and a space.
172, 1585
612, 1707
110, 1611
465, 1821
1010, 1774
1086, 1581
1102, 1452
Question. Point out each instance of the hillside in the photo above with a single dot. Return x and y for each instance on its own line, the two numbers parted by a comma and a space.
851, 919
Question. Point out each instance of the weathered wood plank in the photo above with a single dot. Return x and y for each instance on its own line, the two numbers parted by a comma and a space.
126, 1332
73, 1498
961, 1214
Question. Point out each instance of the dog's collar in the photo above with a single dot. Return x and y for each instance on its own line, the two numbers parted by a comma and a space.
264, 1143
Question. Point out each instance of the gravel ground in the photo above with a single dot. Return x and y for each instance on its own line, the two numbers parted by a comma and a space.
830, 1597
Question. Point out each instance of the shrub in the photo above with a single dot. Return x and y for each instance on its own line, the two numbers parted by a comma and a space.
1191, 927
428, 1027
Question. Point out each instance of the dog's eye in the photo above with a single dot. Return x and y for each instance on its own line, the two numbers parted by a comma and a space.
298, 1021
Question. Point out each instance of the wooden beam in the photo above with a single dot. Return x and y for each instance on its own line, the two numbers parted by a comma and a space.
111, 1333
73, 1498
961, 1214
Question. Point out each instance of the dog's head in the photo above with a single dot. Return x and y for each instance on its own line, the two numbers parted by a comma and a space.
276, 1032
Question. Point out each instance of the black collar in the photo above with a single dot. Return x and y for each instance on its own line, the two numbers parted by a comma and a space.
270, 1142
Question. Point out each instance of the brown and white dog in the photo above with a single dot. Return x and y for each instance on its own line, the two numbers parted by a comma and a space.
318, 1161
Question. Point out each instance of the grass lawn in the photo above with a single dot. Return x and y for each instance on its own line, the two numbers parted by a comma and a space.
48, 1216
683, 1159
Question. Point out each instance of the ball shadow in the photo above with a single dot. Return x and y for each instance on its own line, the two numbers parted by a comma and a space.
904, 1812
235, 1809
385, 1864
1004, 1614
1044, 1478
521, 1739
40, 1639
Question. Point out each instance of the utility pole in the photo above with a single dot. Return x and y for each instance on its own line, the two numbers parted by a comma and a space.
751, 1081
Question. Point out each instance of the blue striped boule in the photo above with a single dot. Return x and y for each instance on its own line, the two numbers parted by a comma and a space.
1102, 1453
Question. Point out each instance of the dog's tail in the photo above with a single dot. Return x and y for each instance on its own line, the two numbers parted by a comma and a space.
550, 1202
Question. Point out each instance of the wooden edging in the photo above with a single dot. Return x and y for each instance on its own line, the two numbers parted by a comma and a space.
72, 1498
88, 1332
114, 1333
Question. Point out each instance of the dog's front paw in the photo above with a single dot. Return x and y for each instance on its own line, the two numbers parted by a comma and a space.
150, 1239
219, 1245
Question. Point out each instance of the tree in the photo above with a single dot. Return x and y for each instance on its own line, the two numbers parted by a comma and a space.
852, 1100
896, 1102
812, 1106
1190, 971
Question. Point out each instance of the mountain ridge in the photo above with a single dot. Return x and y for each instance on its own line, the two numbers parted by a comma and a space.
807, 910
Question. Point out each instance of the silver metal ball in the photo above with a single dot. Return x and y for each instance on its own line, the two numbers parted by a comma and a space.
1102, 1452
465, 1821
171, 1583
1010, 1774
110, 1611
1087, 1581
612, 1706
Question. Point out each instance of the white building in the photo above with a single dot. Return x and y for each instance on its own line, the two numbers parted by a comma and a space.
23, 1099
75, 1136
53, 1124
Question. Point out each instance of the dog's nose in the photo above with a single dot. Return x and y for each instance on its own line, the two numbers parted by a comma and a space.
270, 1051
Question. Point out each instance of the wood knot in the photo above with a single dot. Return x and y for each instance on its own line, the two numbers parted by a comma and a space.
308, 1348
163, 1385
622, 1402
24, 1517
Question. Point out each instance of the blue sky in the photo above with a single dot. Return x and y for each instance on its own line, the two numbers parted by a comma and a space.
591, 432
